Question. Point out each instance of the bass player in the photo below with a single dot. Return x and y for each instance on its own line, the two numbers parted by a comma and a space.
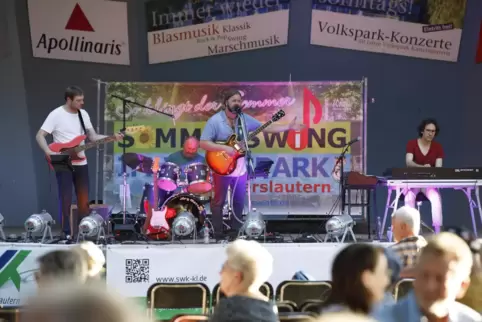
65, 123
219, 128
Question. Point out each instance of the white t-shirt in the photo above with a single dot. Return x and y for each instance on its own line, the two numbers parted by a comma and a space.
65, 126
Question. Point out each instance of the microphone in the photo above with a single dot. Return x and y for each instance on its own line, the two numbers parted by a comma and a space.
353, 141
237, 109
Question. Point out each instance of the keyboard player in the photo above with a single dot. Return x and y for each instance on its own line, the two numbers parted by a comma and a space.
426, 152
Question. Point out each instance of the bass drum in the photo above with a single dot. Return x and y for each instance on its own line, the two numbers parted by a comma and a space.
184, 209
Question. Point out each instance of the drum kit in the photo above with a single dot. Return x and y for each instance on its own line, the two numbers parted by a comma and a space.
190, 192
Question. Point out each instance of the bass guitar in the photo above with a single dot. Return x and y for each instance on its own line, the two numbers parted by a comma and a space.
156, 226
221, 162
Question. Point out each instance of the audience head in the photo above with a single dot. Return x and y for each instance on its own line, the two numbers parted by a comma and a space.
78, 303
94, 256
359, 277
62, 265
405, 223
247, 267
442, 273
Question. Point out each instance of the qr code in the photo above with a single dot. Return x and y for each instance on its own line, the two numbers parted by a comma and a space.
137, 270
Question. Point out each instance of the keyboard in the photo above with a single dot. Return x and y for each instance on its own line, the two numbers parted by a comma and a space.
434, 173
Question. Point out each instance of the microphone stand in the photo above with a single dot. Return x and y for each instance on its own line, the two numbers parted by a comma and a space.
249, 160
341, 160
124, 165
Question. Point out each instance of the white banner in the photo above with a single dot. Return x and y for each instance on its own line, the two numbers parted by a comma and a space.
18, 263
383, 33
132, 269
80, 30
208, 28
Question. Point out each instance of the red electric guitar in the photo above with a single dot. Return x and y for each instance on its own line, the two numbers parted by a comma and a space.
156, 226
73, 147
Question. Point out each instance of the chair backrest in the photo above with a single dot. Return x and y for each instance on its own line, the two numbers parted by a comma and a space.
302, 291
178, 296
402, 288
10, 314
296, 317
189, 318
312, 306
266, 289
286, 306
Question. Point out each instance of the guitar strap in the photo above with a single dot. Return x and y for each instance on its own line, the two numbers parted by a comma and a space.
81, 119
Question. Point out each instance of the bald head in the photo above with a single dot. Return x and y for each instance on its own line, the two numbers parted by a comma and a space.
190, 147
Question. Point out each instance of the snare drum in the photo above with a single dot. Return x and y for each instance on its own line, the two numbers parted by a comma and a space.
168, 176
198, 178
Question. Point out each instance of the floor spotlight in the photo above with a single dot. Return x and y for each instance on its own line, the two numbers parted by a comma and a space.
91, 227
184, 225
39, 224
339, 226
254, 226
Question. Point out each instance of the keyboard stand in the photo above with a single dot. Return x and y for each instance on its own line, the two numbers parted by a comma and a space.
468, 186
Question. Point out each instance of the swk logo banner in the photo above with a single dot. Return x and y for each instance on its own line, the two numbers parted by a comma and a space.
86, 30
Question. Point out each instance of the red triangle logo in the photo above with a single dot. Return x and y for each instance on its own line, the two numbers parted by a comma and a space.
78, 20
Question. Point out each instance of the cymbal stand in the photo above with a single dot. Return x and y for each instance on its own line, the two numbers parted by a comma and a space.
124, 165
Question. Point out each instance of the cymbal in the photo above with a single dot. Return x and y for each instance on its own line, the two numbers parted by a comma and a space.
138, 162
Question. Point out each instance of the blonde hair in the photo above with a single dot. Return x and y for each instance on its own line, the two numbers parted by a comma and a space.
94, 256
252, 259
451, 247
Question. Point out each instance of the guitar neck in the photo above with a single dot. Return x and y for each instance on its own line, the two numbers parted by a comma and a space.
155, 206
259, 129
95, 143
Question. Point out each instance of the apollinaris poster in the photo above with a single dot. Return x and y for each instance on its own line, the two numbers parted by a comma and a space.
304, 177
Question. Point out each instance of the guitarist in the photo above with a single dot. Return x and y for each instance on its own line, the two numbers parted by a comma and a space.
65, 123
219, 128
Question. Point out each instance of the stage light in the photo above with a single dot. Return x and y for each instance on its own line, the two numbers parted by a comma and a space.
254, 225
92, 226
184, 224
38, 224
339, 226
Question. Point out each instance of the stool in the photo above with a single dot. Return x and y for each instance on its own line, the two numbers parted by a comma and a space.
420, 198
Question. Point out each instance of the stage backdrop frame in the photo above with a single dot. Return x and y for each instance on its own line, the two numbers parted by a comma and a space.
185, 101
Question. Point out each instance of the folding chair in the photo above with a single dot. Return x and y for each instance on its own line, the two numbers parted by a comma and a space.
286, 306
266, 289
402, 288
296, 317
189, 318
302, 291
10, 314
312, 306
178, 296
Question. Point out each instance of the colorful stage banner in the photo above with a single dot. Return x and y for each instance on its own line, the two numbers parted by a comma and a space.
430, 29
184, 29
301, 180
18, 264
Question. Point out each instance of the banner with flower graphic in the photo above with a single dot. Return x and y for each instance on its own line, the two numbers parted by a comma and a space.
304, 179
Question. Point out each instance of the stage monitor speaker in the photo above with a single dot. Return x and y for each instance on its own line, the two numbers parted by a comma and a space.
125, 232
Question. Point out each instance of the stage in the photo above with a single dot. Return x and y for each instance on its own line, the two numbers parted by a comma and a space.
132, 268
